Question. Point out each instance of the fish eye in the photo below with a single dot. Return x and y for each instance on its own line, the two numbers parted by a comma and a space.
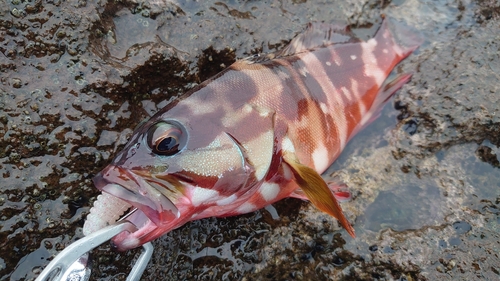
166, 138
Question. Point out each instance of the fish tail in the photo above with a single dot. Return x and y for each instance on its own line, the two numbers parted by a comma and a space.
404, 39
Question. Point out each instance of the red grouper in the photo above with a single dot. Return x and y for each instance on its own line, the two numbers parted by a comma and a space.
261, 130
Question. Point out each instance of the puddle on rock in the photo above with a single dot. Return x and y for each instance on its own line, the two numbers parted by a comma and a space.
403, 208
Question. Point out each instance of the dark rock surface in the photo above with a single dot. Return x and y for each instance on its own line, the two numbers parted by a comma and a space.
77, 76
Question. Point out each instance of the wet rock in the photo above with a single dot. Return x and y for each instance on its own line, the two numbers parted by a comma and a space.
486, 154
73, 87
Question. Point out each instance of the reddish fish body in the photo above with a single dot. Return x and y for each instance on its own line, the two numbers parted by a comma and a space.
259, 131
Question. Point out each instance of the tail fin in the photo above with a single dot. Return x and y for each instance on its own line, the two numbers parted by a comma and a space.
405, 39
383, 97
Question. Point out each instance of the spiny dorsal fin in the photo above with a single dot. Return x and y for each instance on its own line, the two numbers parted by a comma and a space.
319, 35
316, 35
318, 193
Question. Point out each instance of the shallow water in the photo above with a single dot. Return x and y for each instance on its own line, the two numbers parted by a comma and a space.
78, 76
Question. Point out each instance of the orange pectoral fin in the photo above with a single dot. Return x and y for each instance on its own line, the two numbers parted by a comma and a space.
318, 193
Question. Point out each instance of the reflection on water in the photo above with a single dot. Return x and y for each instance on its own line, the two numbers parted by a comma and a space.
404, 208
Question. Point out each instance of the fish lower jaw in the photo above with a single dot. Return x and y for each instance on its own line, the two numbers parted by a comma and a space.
126, 240
107, 210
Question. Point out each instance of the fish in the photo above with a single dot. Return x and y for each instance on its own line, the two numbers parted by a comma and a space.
263, 129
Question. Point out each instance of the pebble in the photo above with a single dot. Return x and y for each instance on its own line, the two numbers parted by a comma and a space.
17, 83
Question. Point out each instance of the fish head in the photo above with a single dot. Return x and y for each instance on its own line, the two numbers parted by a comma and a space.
171, 170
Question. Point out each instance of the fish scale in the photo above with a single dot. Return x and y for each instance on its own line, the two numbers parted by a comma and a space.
262, 130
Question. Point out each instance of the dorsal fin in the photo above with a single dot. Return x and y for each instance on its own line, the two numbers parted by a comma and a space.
319, 35
316, 35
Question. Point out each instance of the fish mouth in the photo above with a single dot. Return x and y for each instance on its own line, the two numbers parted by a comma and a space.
122, 191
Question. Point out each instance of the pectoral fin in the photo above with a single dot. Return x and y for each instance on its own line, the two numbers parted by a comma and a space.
318, 193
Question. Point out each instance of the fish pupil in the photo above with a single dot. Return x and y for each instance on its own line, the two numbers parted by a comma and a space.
169, 145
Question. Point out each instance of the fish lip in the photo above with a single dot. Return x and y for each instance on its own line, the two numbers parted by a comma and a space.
154, 209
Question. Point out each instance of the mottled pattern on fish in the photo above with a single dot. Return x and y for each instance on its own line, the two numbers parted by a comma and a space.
259, 131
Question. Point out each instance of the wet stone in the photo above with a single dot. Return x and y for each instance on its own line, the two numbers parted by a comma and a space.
462, 227
17, 83
18, 13
388, 250
434, 150
486, 154
454, 241
443, 244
